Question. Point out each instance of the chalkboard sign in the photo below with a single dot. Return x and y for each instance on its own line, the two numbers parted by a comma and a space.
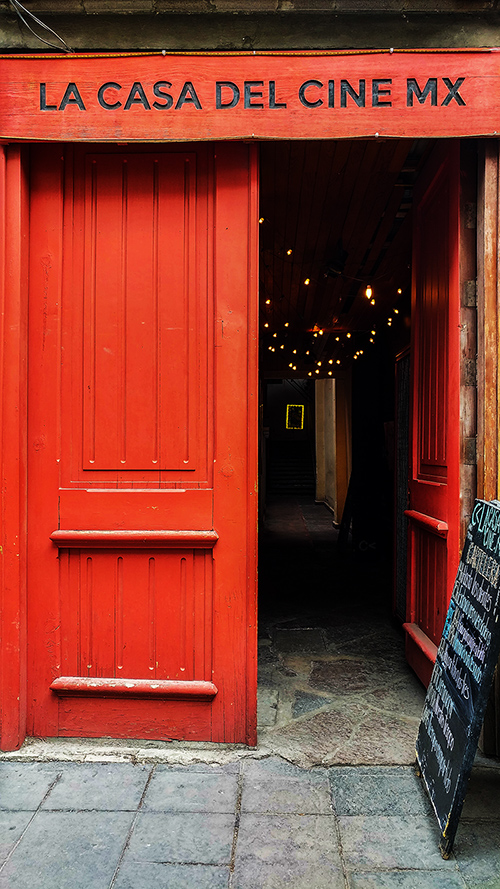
458, 692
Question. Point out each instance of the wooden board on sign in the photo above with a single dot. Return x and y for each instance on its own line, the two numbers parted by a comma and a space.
217, 96
457, 695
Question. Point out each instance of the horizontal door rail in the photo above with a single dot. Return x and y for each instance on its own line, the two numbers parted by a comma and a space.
435, 526
150, 688
422, 641
173, 539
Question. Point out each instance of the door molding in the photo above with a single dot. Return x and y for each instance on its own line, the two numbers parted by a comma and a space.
14, 222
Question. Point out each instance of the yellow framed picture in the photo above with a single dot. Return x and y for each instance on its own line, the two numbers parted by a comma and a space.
295, 416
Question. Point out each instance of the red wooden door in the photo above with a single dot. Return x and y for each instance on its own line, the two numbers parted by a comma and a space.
141, 467
434, 486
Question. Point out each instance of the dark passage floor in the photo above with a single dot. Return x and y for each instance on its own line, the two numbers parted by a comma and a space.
334, 686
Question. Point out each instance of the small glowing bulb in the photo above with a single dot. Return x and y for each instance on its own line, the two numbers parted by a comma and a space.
307, 353
270, 348
355, 357
309, 374
261, 220
266, 324
338, 360
282, 346
372, 340
330, 361
275, 334
368, 292
294, 351
268, 302
289, 252
373, 332
317, 371
330, 372
399, 290
396, 311
337, 338
307, 281
287, 324
361, 351
294, 367
348, 336
315, 334
320, 332
290, 365
372, 302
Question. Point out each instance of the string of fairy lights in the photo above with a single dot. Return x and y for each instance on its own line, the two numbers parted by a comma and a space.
304, 357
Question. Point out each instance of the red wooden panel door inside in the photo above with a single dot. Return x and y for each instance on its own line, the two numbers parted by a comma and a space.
434, 486
141, 584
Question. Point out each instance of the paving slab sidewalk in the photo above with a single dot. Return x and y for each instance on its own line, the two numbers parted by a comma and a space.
252, 824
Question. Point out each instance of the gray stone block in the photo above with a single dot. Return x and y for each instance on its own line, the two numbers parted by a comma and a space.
306, 703
206, 768
67, 850
102, 786
253, 874
175, 838
276, 767
413, 879
12, 825
407, 842
483, 795
24, 785
145, 875
267, 706
292, 841
185, 791
378, 791
477, 850
275, 786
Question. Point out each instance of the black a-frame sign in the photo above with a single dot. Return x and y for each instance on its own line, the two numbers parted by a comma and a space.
458, 692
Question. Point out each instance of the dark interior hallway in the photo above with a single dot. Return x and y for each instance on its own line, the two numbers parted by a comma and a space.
334, 686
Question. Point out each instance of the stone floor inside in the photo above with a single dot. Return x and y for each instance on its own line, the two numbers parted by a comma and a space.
334, 686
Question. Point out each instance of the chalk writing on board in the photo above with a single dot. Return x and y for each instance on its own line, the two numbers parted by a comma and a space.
458, 691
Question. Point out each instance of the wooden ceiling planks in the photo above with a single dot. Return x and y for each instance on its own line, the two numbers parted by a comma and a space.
338, 207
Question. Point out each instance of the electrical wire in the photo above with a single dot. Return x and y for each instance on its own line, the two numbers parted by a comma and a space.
20, 9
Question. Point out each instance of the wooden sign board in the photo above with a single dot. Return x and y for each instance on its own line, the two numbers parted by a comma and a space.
151, 97
458, 692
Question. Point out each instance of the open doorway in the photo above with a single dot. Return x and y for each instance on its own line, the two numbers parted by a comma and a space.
335, 323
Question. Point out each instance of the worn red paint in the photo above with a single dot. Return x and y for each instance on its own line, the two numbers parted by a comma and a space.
334, 95
434, 487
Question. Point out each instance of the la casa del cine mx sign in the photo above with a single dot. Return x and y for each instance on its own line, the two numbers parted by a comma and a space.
181, 97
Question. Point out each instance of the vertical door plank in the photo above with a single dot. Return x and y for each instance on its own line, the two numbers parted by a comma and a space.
14, 227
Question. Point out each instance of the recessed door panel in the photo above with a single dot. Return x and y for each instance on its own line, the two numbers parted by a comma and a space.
141, 325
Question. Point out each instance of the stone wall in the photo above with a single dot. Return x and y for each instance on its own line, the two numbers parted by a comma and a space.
193, 25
